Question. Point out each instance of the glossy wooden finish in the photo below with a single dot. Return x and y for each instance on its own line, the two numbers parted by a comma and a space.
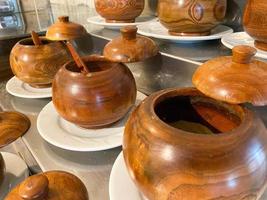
96, 99
2, 169
52, 185
130, 47
191, 17
12, 126
237, 79
169, 163
35, 38
64, 29
37, 65
255, 22
119, 10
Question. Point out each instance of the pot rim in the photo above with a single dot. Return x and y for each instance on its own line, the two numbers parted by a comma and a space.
42, 38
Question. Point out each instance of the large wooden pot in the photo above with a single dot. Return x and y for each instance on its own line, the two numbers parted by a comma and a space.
2, 169
167, 159
96, 99
119, 10
191, 17
255, 22
37, 65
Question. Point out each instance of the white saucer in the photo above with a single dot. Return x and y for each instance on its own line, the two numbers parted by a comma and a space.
16, 172
121, 186
98, 20
157, 30
242, 38
61, 133
20, 89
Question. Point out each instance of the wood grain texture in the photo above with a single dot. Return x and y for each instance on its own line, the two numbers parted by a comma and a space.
51, 185
255, 21
64, 29
37, 65
191, 17
2, 169
235, 79
130, 47
169, 164
119, 10
12, 126
96, 99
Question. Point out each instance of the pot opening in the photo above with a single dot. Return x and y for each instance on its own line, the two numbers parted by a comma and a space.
29, 42
198, 114
96, 66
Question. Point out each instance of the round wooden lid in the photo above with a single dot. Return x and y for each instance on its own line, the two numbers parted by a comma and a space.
50, 185
234, 79
63, 29
130, 47
12, 126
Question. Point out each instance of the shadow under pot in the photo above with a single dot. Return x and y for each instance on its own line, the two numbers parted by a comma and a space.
96, 99
37, 64
180, 144
191, 18
117, 11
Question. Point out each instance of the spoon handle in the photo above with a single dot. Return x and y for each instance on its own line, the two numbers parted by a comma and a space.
35, 38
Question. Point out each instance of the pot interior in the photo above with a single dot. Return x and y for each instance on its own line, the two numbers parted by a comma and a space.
94, 66
29, 42
198, 114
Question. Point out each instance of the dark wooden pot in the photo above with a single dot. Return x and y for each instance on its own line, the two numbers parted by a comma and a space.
255, 22
119, 11
189, 17
37, 65
97, 99
167, 162
2, 169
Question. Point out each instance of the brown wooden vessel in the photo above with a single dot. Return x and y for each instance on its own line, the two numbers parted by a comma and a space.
52, 185
95, 99
2, 169
37, 64
191, 17
115, 11
255, 22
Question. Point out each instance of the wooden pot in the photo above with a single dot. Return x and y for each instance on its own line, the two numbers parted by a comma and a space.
37, 65
118, 11
255, 22
96, 99
191, 17
2, 169
169, 154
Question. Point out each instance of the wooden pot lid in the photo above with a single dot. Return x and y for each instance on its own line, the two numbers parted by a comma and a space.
50, 185
63, 29
234, 79
130, 47
12, 126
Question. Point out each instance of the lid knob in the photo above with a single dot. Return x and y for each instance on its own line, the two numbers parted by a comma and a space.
34, 188
129, 32
63, 18
243, 54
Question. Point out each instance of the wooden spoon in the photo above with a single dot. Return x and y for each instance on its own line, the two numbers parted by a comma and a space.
77, 59
35, 38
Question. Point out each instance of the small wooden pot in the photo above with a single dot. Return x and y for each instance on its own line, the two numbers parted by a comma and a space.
168, 159
37, 65
191, 17
2, 169
96, 99
255, 22
117, 11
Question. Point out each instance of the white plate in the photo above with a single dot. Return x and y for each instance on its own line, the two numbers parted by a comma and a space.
20, 89
16, 172
121, 186
66, 135
242, 38
98, 20
157, 30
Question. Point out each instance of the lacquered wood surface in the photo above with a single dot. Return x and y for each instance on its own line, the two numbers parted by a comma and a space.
2, 169
12, 126
191, 17
235, 79
96, 99
37, 65
168, 163
64, 29
119, 10
35, 38
52, 185
130, 47
255, 22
